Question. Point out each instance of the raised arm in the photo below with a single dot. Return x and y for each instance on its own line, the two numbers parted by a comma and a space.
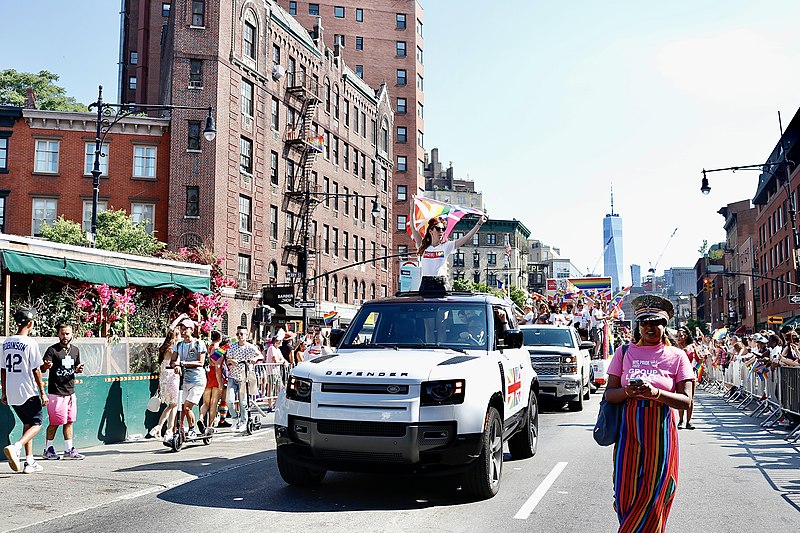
415, 234
468, 237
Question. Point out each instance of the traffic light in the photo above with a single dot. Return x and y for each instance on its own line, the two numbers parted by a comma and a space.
708, 285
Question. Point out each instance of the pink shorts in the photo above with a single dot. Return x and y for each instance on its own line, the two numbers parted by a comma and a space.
62, 409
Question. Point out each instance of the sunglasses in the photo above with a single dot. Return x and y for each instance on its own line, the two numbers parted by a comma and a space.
437, 228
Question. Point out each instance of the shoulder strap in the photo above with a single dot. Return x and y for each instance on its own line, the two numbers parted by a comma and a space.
625, 349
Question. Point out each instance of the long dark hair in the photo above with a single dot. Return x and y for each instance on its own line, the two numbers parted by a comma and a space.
688, 334
427, 240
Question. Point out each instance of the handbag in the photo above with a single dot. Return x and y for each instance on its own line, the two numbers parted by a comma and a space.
609, 419
154, 404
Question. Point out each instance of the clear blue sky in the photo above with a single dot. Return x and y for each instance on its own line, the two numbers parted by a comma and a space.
545, 104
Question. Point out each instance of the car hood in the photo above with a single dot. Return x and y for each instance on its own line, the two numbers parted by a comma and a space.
397, 365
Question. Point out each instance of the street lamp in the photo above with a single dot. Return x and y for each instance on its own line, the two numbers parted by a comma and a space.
108, 115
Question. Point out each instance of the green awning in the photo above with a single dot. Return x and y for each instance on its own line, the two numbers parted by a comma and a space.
791, 321
91, 272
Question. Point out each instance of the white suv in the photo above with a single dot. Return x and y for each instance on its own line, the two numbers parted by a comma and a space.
418, 384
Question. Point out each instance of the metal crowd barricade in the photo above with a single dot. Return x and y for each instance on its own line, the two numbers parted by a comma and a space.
270, 378
789, 387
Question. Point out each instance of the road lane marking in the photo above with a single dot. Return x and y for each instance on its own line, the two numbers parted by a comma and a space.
528, 507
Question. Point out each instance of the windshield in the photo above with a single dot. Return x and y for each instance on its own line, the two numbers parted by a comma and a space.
547, 337
457, 325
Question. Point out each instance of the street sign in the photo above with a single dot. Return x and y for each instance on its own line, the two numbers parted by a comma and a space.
292, 275
775, 319
305, 304
794, 299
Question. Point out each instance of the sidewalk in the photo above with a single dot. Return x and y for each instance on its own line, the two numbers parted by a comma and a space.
122, 471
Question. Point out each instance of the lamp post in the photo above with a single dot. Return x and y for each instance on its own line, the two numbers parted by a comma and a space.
108, 115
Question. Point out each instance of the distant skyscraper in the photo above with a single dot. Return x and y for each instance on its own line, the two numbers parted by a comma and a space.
612, 243
636, 276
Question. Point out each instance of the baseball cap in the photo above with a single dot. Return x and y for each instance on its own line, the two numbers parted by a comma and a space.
23, 315
188, 322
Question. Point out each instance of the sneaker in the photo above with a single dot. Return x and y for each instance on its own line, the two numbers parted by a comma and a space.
191, 434
689, 426
50, 454
73, 454
12, 453
224, 424
201, 426
32, 468
680, 425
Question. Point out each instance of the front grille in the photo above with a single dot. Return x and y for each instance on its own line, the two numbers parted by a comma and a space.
546, 370
361, 456
364, 388
549, 359
361, 429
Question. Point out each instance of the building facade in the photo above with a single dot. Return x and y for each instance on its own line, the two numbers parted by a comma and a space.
497, 255
612, 247
738, 260
636, 276
46, 159
382, 41
303, 149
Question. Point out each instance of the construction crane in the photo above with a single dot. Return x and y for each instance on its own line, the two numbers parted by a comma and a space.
608, 243
652, 269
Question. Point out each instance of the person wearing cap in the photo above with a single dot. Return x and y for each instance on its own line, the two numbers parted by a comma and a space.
190, 353
434, 249
650, 379
23, 389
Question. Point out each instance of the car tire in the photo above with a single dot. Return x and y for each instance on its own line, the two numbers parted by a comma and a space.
591, 382
296, 474
577, 404
524, 443
482, 480
588, 392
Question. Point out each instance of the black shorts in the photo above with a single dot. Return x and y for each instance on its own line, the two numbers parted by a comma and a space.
30, 412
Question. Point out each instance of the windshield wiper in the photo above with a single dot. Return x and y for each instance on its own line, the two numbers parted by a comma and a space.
433, 346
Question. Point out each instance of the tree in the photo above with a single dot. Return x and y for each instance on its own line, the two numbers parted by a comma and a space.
49, 96
64, 231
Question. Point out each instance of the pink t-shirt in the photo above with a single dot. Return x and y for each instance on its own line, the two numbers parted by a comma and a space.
663, 366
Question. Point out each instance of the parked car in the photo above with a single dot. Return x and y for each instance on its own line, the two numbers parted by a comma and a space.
561, 361
417, 384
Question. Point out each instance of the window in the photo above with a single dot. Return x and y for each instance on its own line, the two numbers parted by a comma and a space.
335, 241
276, 54
249, 35
346, 113
420, 139
144, 214
402, 163
273, 222
336, 151
44, 210
402, 250
400, 21
402, 134
385, 137
374, 133
192, 201
402, 105
346, 244
165, 8
3, 212
384, 291
275, 114
491, 239
346, 156
336, 102
195, 73
46, 156
132, 83
338, 39
313, 9
359, 43
355, 119
144, 161
245, 213
199, 13
273, 167
355, 248
475, 240
335, 196
360, 71
476, 260
338, 12
420, 110
247, 98
359, 15
384, 218
402, 193
420, 82
243, 270
491, 258
86, 220
400, 49
363, 250
246, 155
134, 58
326, 238
401, 222
4, 154
335, 287
193, 142
401, 76
419, 55
419, 27
326, 189
293, 8
89, 158
458, 259
355, 205
327, 97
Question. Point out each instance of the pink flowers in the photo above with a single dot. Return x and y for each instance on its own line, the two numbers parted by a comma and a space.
102, 304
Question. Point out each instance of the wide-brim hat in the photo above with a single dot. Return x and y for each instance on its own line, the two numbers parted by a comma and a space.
759, 338
650, 307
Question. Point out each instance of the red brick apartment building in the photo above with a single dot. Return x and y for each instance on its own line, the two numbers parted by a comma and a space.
738, 308
276, 90
382, 40
46, 158
773, 232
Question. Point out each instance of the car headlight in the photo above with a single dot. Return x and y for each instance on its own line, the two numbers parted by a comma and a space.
445, 392
299, 389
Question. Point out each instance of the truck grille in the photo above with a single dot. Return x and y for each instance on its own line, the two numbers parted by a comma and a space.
539, 359
546, 370
365, 388
361, 456
361, 429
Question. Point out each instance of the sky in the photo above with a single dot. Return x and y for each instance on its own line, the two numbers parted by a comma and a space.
547, 105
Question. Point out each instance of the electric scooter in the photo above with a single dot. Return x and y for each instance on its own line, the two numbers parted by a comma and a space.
179, 436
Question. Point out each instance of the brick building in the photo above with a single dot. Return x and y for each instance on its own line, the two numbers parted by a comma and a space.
498, 252
382, 40
291, 117
46, 158
740, 306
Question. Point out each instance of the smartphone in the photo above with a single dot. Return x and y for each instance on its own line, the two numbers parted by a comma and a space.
636, 382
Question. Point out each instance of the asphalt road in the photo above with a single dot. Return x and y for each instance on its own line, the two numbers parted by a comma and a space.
734, 476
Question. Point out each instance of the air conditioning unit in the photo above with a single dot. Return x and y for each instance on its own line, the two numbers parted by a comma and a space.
195, 84
245, 239
278, 72
273, 245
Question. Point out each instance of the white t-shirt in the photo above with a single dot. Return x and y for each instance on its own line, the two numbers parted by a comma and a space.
582, 317
434, 259
528, 318
20, 357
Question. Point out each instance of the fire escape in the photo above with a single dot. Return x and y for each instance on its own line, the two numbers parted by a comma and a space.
301, 191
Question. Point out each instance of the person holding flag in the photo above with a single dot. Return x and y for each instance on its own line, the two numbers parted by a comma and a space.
433, 248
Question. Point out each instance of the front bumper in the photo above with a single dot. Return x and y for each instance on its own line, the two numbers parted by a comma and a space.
566, 387
367, 446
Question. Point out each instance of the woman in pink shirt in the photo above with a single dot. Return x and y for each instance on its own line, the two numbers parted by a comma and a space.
650, 379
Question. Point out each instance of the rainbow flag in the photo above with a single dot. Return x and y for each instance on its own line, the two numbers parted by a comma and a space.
719, 334
616, 301
426, 209
220, 351
329, 317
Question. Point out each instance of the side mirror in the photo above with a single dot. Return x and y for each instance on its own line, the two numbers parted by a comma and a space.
586, 345
336, 337
512, 338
